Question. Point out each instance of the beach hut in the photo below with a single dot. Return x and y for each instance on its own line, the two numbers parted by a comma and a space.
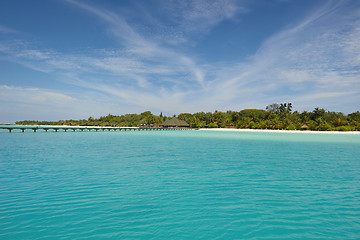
304, 127
174, 122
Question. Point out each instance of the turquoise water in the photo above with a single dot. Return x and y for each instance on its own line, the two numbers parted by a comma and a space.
179, 185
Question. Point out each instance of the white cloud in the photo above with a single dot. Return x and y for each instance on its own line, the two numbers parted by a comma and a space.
199, 16
317, 56
154, 56
32, 96
351, 46
326, 95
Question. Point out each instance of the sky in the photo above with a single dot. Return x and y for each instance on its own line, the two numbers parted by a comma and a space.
72, 59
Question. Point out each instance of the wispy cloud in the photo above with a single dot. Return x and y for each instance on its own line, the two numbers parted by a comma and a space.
311, 57
198, 17
33, 102
117, 25
33, 95
46, 104
313, 62
7, 30
186, 17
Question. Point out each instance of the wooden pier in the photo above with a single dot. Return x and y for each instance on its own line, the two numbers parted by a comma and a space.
46, 128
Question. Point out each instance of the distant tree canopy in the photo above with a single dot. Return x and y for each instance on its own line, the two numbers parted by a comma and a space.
276, 116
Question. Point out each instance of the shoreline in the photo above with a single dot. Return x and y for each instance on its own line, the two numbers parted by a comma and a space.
276, 131
13, 126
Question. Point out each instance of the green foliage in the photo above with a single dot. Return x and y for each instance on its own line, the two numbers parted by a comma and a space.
276, 116
127, 120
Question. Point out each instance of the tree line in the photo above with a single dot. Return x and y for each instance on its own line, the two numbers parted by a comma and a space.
276, 116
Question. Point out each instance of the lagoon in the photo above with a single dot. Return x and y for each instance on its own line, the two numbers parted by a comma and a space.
179, 185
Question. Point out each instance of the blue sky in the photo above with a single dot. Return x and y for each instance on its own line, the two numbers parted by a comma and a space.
62, 59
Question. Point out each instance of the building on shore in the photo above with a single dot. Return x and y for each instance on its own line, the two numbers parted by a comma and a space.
304, 127
173, 123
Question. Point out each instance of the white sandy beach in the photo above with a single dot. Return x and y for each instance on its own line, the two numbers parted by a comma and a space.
276, 131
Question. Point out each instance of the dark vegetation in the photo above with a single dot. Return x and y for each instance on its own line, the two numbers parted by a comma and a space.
276, 116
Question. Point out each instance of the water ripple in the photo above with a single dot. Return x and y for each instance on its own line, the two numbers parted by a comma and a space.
186, 186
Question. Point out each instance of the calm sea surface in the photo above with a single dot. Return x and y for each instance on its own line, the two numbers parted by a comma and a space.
179, 185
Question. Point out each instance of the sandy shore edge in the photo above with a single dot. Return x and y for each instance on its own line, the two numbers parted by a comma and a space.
276, 131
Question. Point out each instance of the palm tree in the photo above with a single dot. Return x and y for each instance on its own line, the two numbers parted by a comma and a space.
289, 107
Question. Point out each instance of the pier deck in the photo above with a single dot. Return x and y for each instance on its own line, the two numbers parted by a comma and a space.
46, 128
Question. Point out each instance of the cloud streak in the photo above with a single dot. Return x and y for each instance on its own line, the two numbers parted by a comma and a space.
314, 62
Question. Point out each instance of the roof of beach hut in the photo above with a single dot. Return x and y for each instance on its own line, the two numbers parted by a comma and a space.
304, 126
174, 122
